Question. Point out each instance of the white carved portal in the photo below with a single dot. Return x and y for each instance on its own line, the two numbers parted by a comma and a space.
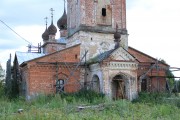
123, 86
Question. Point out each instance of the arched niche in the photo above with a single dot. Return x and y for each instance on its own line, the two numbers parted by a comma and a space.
95, 84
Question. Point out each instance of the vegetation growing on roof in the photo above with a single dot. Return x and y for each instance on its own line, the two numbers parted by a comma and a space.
93, 60
100, 57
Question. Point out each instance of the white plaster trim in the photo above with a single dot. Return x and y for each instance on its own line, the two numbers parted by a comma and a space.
123, 65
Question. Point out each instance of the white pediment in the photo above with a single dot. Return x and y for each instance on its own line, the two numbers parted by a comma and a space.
122, 54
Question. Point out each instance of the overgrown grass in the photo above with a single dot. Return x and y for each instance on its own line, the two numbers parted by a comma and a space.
97, 107
158, 98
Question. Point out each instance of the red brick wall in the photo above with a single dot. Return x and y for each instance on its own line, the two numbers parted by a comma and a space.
140, 56
86, 12
158, 84
119, 13
42, 73
51, 47
89, 10
157, 78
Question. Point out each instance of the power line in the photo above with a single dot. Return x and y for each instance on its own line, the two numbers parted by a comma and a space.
16, 32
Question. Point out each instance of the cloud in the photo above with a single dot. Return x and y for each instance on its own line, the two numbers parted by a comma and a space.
153, 26
4, 45
27, 19
31, 33
29, 12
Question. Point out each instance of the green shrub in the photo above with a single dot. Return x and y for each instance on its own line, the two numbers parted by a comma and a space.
84, 95
158, 99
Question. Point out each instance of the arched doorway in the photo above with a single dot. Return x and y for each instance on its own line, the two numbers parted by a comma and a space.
95, 84
118, 87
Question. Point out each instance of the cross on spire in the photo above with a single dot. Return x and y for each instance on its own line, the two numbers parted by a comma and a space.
46, 21
52, 14
64, 4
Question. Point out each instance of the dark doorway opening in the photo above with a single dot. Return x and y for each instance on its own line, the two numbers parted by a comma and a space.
118, 88
144, 85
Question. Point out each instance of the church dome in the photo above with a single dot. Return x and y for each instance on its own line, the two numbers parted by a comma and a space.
45, 35
117, 35
52, 29
62, 22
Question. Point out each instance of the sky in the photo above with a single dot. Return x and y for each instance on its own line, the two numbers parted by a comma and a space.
153, 26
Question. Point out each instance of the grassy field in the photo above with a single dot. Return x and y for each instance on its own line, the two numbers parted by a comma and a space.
91, 106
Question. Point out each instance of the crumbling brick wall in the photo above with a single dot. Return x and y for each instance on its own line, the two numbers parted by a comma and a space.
155, 71
89, 13
43, 72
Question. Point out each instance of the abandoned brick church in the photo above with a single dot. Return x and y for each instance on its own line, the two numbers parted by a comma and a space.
92, 53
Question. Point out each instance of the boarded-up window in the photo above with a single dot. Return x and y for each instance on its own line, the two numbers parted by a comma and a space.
60, 86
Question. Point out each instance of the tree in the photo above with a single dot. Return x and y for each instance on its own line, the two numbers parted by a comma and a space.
170, 77
178, 85
2, 74
2, 80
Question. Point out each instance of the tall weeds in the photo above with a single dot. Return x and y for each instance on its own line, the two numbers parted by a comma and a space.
65, 107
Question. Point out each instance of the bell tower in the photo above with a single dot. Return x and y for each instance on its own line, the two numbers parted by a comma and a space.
93, 24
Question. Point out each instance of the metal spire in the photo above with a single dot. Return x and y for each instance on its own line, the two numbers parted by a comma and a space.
64, 5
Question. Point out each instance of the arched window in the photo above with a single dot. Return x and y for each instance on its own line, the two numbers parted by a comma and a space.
95, 85
60, 86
